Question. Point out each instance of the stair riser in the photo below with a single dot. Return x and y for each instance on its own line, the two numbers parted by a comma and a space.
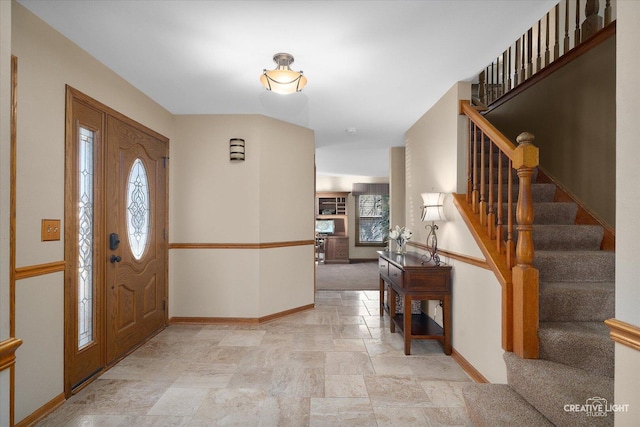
576, 303
591, 352
587, 266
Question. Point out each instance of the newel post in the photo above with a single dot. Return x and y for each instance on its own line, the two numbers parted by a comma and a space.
524, 275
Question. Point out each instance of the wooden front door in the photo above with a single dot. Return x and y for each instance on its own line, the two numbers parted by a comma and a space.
115, 237
135, 224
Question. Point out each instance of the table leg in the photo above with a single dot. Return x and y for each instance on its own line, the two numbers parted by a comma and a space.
407, 324
446, 324
381, 296
392, 309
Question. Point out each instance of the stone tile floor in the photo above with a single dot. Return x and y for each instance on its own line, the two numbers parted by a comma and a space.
335, 365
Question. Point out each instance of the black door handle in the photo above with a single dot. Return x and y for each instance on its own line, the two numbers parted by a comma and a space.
115, 258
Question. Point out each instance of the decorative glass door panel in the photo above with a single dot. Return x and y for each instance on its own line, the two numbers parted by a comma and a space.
138, 209
86, 276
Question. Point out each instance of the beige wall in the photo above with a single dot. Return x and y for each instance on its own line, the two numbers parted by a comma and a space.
627, 376
397, 186
217, 201
434, 145
578, 149
5, 105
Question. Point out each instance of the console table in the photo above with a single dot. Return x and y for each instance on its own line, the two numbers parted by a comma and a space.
410, 279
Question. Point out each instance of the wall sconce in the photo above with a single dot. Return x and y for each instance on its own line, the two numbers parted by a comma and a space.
433, 210
236, 149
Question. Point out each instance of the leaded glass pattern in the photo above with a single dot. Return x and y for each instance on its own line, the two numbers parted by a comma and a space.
373, 218
85, 238
138, 209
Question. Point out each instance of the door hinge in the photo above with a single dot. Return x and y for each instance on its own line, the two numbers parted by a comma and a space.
164, 305
165, 160
164, 234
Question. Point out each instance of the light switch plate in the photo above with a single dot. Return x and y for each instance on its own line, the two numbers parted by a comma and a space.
50, 230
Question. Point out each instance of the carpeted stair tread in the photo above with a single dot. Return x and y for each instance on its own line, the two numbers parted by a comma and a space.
576, 301
549, 213
584, 345
547, 237
497, 405
575, 266
540, 193
549, 386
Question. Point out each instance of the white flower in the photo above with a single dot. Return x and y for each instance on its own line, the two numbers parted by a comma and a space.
400, 234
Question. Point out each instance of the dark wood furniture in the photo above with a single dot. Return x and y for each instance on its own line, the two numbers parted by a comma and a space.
410, 279
333, 205
337, 249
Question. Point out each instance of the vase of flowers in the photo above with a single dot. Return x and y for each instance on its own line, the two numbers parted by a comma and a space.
400, 235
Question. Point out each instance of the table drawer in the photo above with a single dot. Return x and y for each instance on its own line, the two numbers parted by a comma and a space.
396, 275
383, 267
434, 281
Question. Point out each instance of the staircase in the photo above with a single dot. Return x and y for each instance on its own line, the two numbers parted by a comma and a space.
576, 355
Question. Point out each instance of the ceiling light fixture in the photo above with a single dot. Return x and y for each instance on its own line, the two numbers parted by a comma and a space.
283, 79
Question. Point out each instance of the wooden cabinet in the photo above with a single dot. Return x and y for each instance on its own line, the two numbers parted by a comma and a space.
334, 206
337, 249
408, 278
331, 203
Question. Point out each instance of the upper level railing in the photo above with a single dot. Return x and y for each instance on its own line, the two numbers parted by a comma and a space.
566, 26
488, 208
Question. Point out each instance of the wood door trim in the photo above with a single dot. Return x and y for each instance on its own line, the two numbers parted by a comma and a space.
39, 269
266, 245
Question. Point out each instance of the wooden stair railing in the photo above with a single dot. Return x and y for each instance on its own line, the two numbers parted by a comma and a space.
491, 223
563, 29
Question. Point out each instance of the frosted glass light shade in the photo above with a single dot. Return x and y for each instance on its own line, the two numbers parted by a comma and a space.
283, 79
433, 207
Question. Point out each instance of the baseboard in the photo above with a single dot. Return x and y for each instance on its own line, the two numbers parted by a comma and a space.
468, 368
42, 412
238, 320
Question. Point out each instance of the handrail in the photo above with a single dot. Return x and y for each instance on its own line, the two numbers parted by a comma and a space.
485, 198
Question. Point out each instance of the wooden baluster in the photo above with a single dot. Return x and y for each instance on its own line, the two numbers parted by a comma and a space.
505, 73
491, 216
539, 57
529, 53
567, 45
490, 82
508, 72
524, 275
556, 44
592, 22
510, 249
607, 13
523, 70
516, 69
483, 183
499, 208
576, 34
475, 198
470, 128
497, 80
546, 42
481, 88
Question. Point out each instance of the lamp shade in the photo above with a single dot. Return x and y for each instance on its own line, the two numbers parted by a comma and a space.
283, 79
433, 207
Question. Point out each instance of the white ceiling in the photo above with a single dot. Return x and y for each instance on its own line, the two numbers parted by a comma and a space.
376, 66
